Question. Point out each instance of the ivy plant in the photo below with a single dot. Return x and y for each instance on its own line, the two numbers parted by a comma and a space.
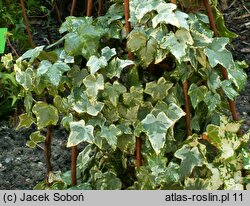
104, 100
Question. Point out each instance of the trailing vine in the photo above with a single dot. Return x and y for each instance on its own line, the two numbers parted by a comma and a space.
152, 83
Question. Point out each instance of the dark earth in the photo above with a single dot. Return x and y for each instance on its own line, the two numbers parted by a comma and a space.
22, 167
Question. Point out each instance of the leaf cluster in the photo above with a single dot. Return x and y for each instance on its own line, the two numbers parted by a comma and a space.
104, 100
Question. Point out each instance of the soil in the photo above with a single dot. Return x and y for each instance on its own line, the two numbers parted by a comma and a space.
22, 167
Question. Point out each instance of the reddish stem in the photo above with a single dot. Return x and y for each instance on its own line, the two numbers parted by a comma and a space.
89, 7
127, 24
47, 151
100, 7
27, 23
223, 69
73, 165
187, 108
73, 6
12, 48
131, 57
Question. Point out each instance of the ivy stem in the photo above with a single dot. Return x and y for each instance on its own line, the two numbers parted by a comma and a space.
223, 69
100, 7
47, 152
127, 24
27, 23
73, 6
131, 57
187, 108
173, 1
89, 7
73, 165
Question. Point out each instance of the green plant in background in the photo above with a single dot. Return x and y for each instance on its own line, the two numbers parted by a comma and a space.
105, 100
9, 88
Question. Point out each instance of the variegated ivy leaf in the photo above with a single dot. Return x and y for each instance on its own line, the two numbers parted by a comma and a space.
246, 159
85, 157
165, 15
25, 121
140, 8
177, 43
126, 143
116, 66
197, 94
148, 52
128, 113
25, 78
32, 54
112, 92
84, 104
56, 71
79, 132
190, 158
108, 53
45, 114
227, 87
35, 138
93, 83
94, 63
156, 128
136, 40
237, 75
212, 100
134, 97
43, 67
173, 112
158, 90
110, 134
218, 54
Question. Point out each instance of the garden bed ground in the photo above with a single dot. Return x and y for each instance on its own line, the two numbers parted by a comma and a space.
22, 167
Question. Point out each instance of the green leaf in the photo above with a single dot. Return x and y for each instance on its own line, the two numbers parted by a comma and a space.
113, 91
134, 97
173, 112
35, 138
190, 157
218, 54
158, 90
197, 94
214, 135
43, 67
77, 75
95, 64
136, 40
79, 132
237, 75
165, 15
220, 24
56, 71
156, 128
110, 134
84, 158
46, 114
148, 52
116, 66
212, 100
25, 78
229, 90
246, 159
84, 104
108, 53
177, 43
93, 83
73, 44
108, 181
32, 53
128, 113
126, 143
25, 121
